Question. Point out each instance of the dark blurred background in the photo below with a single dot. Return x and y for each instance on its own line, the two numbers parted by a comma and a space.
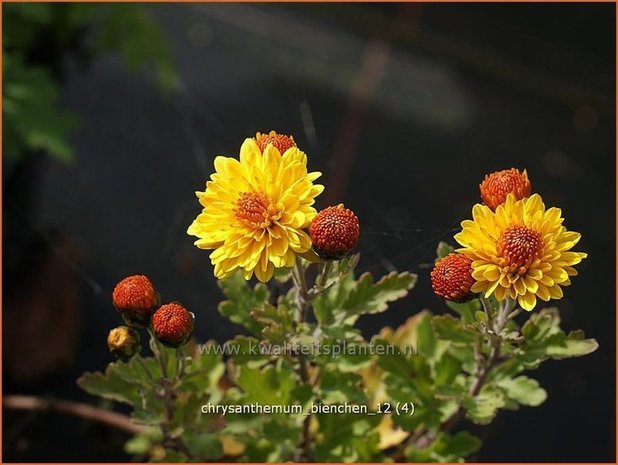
113, 115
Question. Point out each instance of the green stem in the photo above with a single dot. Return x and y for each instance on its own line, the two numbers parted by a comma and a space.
167, 396
159, 352
181, 363
300, 283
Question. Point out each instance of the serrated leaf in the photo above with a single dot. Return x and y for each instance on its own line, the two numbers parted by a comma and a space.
327, 306
570, 347
368, 297
447, 448
392, 361
338, 387
544, 339
452, 329
271, 385
523, 390
242, 300
110, 385
481, 409
541, 325
346, 438
277, 321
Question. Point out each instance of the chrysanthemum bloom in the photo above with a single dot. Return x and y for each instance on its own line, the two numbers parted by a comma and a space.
280, 141
172, 324
451, 278
334, 232
135, 298
123, 342
520, 251
255, 210
496, 186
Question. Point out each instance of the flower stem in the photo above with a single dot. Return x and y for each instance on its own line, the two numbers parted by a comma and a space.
181, 363
300, 283
167, 396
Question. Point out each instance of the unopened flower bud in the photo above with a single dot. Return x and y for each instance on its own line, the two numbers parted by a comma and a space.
334, 232
452, 278
173, 324
496, 186
135, 299
123, 342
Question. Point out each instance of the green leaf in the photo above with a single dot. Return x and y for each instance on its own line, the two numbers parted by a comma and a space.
277, 321
467, 310
523, 390
110, 385
482, 408
328, 305
544, 339
392, 361
451, 329
346, 438
32, 118
204, 368
129, 29
242, 300
446, 369
570, 346
338, 387
271, 385
427, 341
541, 325
204, 446
447, 448
369, 297
444, 249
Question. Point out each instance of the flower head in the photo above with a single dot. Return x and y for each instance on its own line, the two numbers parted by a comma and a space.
123, 342
496, 186
135, 298
520, 251
255, 210
451, 278
280, 141
334, 232
172, 324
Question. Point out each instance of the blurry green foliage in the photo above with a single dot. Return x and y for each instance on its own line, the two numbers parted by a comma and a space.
37, 36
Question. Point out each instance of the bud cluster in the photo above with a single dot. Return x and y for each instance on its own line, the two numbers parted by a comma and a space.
139, 304
451, 277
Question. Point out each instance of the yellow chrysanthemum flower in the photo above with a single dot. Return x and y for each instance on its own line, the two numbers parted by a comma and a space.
520, 251
255, 211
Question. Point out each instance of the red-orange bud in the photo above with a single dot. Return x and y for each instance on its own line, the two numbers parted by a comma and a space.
135, 298
334, 232
172, 324
451, 278
496, 186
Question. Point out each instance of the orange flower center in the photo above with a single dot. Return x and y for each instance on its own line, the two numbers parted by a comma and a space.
281, 141
519, 246
255, 210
